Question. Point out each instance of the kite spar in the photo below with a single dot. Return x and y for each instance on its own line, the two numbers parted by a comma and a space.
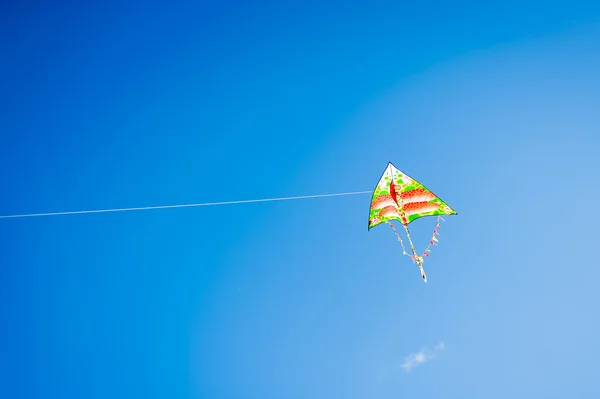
400, 197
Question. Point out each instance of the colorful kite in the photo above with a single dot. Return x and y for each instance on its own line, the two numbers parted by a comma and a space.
400, 197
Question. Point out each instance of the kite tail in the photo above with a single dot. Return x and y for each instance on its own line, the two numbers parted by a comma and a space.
414, 257
399, 239
418, 259
434, 239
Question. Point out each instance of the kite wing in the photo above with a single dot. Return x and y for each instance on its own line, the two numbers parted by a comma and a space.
398, 190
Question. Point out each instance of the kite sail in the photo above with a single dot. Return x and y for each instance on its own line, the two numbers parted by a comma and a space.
399, 197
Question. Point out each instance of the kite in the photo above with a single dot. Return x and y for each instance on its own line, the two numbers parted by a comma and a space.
399, 197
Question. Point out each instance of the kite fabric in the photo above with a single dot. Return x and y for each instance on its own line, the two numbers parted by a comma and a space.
399, 197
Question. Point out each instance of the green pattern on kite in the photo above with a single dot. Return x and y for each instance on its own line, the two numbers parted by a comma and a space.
415, 199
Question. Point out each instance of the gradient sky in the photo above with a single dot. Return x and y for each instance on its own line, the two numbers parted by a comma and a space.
494, 108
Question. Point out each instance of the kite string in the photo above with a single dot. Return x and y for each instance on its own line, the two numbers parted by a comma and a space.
145, 208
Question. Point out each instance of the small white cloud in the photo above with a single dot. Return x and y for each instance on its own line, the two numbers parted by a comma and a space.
439, 347
416, 359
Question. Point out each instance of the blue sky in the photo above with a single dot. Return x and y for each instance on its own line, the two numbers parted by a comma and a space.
492, 107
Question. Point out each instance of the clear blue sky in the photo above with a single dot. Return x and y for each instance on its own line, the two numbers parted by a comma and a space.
495, 108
